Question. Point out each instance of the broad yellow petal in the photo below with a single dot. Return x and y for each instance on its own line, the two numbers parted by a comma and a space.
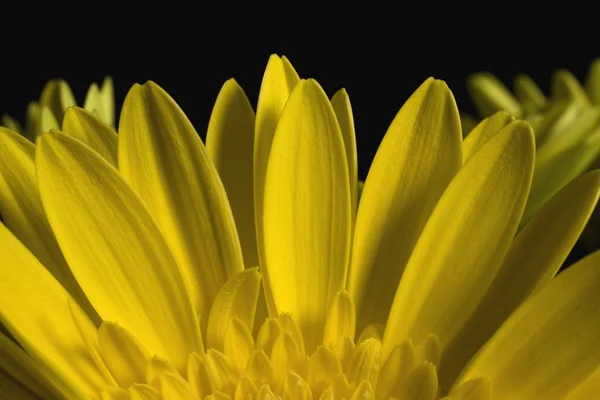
343, 111
48, 120
307, 211
114, 248
484, 131
470, 229
549, 346
88, 128
279, 80
416, 160
35, 311
566, 86
57, 96
163, 159
31, 374
230, 145
23, 214
489, 95
107, 92
535, 256
11, 123
529, 94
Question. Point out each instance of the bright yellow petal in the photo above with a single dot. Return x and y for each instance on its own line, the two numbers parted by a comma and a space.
114, 248
11, 123
279, 80
35, 310
93, 102
230, 145
48, 120
484, 131
533, 259
529, 94
23, 214
489, 95
107, 91
566, 86
88, 128
416, 160
163, 159
31, 374
343, 111
470, 229
57, 96
549, 346
307, 211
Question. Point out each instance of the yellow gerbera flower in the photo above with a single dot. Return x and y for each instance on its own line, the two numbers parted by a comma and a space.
566, 126
130, 271
56, 98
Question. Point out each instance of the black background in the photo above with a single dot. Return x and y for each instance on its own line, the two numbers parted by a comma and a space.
380, 52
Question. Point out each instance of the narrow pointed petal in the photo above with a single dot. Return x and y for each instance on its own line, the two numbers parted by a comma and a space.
566, 86
489, 95
484, 131
534, 258
23, 214
416, 160
230, 145
61, 348
31, 374
163, 159
279, 80
80, 189
529, 94
88, 128
549, 346
57, 96
307, 211
48, 120
32, 120
343, 111
93, 102
441, 289
107, 92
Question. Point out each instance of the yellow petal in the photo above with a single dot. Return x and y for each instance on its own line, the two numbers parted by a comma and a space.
484, 131
57, 96
343, 111
566, 86
341, 320
93, 102
416, 160
421, 384
237, 298
163, 159
230, 145
114, 248
48, 120
489, 95
143, 392
11, 123
23, 214
306, 211
279, 80
529, 94
592, 84
535, 256
125, 357
554, 173
549, 346
586, 389
32, 120
88, 128
175, 387
28, 318
31, 374
470, 229
115, 393
12, 389
107, 92
467, 123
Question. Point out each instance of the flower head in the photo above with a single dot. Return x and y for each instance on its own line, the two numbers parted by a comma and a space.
146, 265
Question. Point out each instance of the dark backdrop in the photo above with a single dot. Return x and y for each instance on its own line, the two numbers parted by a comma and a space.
380, 52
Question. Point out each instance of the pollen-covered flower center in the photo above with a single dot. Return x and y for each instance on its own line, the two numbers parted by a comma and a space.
275, 363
